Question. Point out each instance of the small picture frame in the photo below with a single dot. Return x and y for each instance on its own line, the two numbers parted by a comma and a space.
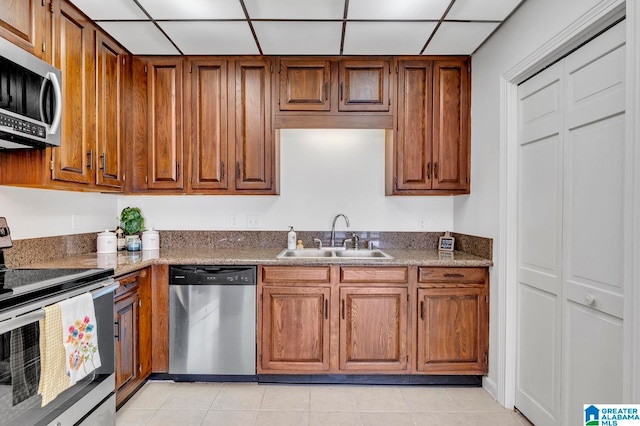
446, 242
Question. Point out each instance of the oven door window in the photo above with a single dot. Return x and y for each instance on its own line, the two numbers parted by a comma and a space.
20, 403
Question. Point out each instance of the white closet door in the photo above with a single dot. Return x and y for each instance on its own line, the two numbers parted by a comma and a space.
570, 234
593, 224
540, 247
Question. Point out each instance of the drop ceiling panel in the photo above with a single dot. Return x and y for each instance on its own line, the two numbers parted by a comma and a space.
459, 38
295, 9
193, 9
474, 10
212, 37
140, 38
299, 38
386, 38
398, 9
112, 9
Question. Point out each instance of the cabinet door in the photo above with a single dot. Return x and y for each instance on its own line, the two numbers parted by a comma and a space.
451, 125
373, 328
304, 85
75, 159
28, 24
126, 319
453, 330
364, 85
208, 127
413, 163
295, 328
109, 141
254, 139
164, 105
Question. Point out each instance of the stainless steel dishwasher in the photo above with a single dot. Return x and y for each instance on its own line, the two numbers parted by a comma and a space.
212, 320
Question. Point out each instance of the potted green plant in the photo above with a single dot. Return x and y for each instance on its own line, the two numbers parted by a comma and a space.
132, 224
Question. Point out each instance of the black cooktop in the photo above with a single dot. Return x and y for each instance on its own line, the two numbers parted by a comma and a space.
21, 285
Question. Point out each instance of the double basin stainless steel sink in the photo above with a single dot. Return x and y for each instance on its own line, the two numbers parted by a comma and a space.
334, 253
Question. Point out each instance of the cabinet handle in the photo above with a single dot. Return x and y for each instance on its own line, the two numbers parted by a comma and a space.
343, 309
222, 167
429, 170
237, 170
90, 155
103, 161
422, 310
326, 91
454, 275
435, 170
117, 330
326, 309
178, 170
341, 91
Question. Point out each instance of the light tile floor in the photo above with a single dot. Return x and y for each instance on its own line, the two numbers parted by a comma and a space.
229, 404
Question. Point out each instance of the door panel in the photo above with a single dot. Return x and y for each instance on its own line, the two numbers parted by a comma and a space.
539, 287
304, 85
364, 86
209, 125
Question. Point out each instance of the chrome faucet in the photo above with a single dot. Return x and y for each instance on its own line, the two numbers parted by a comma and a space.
332, 243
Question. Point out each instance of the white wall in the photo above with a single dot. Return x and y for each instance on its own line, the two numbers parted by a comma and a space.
323, 172
34, 213
535, 22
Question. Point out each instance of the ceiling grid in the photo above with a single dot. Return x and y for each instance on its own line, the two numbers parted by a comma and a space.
300, 27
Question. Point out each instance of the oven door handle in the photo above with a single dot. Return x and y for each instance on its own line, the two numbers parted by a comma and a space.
108, 289
30, 317
21, 321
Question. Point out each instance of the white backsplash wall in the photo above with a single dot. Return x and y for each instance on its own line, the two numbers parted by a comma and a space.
35, 213
322, 173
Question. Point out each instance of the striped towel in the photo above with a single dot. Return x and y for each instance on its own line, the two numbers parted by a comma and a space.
80, 336
53, 375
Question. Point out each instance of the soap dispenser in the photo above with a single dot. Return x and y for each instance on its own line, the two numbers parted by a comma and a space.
291, 239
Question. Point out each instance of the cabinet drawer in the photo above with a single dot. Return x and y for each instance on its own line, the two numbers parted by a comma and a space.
355, 274
128, 283
288, 274
454, 275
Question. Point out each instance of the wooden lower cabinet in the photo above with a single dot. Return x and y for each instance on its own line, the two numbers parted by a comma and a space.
373, 320
295, 328
452, 321
132, 320
373, 328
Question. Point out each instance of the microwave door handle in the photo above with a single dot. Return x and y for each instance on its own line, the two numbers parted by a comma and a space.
53, 128
21, 321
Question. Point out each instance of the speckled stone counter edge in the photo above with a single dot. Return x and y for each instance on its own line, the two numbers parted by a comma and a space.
49, 249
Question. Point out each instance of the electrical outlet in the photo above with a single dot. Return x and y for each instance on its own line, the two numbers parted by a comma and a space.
422, 224
235, 221
75, 222
253, 222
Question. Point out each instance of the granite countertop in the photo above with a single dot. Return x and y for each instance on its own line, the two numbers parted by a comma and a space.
126, 262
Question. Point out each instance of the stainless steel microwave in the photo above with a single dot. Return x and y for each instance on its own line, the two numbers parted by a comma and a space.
30, 100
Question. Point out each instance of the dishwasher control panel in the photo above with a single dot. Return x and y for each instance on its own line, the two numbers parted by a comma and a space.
212, 275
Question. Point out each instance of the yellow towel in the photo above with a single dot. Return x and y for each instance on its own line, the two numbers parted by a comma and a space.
53, 375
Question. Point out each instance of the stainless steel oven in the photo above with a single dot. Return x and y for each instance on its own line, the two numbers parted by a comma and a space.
24, 296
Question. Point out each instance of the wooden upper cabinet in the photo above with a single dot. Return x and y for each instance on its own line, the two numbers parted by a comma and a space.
254, 131
304, 85
75, 160
413, 138
431, 146
373, 328
364, 85
208, 124
164, 128
451, 125
111, 68
29, 25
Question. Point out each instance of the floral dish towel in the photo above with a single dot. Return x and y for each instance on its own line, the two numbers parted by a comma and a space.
80, 336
